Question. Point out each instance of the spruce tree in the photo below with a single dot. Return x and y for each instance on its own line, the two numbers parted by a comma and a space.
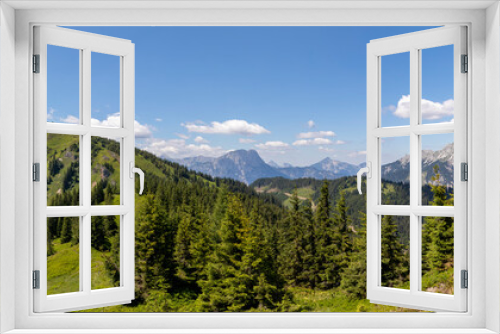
292, 252
67, 230
152, 254
438, 232
221, 290
395, 267
309, 275
354, 277
342, 239
324, 245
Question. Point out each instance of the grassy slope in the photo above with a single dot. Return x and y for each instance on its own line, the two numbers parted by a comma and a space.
63, 269
58, 147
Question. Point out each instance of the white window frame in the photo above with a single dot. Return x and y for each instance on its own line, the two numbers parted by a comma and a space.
86, 44
413, 44
484, 82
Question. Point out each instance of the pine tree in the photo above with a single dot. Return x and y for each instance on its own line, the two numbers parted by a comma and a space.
354, 277
324, 245
394, 262
51, 222
292, 243
185, 234
200, 247
309, 275
342, 239
99, 239
220, 291
152, 255
67, 230
438, 233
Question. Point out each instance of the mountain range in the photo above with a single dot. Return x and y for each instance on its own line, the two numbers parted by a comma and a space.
399, 170
247, 166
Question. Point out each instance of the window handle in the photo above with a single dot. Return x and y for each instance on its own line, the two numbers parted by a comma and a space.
139, 171
368, 171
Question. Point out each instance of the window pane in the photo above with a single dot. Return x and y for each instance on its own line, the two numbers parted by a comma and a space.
63, 255
437, 169
395, 89
437, 254
105, 90
437, 103
105, 252
395, 254
395, 153
63, 85
105, 171
63, 170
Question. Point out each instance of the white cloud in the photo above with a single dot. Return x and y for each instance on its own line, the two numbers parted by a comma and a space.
317, 134
200, 140
311, 124
273, 146
158, 119
326, 149
50, 113
181, 135
357, 154
315, 141
246, 140
140, 130
430, 110
177, 148
112, 121
340, 142
71, 120
233, 126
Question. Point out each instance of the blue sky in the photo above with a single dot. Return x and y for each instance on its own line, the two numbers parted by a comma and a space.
295, 94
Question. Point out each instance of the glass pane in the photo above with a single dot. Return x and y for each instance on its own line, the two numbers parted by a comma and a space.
105, 90
395, 89
437, 254
105, 241
437, 85
437, 169
395, 254
395, 153
105, 171
63, 170
63, 255
63, 85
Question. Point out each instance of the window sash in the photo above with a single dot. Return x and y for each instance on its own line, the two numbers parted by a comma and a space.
87, 43
413, 43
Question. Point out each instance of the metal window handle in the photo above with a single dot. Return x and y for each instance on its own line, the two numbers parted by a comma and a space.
134, 170
368, 171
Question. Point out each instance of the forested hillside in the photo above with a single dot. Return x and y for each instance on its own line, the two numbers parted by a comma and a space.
206, 244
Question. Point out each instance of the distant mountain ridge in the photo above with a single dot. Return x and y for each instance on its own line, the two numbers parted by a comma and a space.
399, 170
247, 166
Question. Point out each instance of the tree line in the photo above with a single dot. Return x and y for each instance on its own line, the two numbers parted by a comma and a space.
236, 250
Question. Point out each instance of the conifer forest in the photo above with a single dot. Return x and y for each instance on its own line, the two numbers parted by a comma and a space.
205, 244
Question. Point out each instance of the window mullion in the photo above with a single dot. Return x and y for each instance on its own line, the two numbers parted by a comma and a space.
414, 169
86, 184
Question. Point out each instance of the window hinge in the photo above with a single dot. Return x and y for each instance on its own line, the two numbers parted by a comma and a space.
36, 279
36, 63
464, 171
36, 172
465, 279
465, 64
